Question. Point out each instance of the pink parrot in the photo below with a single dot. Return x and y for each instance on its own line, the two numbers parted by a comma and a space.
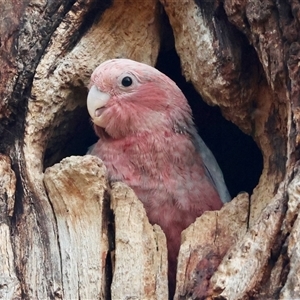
148, 140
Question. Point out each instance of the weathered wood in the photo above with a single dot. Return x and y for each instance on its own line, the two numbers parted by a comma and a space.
291, 288
8, 59
204, 244
9, 284
76, 189
140, 270
245, 264
36, 250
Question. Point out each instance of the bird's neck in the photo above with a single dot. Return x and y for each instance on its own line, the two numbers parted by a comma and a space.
139, 135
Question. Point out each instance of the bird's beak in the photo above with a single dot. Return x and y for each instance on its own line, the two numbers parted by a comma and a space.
96, 102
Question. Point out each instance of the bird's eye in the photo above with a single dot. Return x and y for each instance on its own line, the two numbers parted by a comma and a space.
126, 81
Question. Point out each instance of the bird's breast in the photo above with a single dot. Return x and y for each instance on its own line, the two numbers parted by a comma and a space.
160, 168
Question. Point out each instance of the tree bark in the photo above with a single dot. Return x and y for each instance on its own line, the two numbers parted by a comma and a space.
65, 232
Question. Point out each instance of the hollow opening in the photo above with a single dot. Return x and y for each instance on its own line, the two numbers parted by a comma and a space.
73, 136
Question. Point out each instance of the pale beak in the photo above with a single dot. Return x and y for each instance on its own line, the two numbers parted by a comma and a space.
96, 102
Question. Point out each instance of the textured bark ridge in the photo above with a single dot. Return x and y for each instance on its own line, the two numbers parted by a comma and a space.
140, 270
65, 232
76, 189
10, 285
204, 245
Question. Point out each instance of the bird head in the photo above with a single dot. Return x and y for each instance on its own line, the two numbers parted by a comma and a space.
127, 97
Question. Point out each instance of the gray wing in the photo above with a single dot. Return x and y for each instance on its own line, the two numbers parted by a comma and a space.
213, 170
90, 149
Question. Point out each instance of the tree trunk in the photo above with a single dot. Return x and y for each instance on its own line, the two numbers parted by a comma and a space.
65, 232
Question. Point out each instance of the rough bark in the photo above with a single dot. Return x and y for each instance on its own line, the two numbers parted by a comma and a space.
64, 231
140, 270
10, 285
76, 189
202, 250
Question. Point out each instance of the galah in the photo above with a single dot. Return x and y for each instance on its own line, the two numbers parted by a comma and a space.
148, 140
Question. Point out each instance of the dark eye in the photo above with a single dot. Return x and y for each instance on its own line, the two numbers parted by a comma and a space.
126, 81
